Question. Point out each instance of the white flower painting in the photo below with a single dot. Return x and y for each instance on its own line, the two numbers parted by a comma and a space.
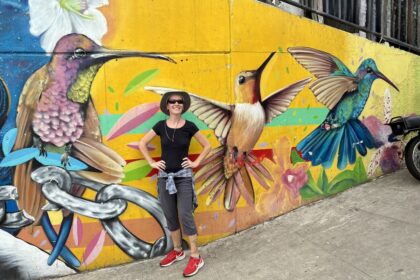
54, 19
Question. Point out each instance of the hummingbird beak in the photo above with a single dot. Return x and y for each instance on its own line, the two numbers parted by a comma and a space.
260, 69
383, 77
103, 54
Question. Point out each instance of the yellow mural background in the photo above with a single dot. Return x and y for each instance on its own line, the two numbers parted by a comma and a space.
212, 41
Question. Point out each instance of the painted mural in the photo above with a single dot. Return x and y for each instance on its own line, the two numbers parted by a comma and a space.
238, 127
80, 83
345, 94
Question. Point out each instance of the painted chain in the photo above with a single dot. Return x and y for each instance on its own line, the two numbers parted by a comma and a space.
12, 220
6, 193
109, 204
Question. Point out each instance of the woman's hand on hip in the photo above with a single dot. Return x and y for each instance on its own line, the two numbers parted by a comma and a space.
159, 165
187, 163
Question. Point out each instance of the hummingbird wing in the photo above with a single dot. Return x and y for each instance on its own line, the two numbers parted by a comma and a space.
319, 63
90, 149
216, 115
30, 197
330, 90
334, 78
279, 101
4, 102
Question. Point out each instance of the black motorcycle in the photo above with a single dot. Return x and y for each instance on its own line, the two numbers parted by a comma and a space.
401, 127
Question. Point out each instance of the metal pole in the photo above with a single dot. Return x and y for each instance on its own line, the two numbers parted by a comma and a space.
379, 16
418, 23
357, 12
399, 21
384, 16
409, 24
339, 9
393, 18
369, 18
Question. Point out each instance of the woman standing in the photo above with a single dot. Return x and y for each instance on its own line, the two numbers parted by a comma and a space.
176, 191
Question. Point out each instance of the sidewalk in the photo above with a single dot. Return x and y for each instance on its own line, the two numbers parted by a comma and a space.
369, 232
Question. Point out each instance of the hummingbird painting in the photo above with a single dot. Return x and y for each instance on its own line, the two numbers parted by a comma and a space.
238, 127
56, 111
345, 95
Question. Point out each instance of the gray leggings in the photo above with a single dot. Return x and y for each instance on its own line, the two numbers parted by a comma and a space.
180, 203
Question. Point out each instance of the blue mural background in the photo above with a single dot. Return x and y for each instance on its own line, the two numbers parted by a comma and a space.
20, 56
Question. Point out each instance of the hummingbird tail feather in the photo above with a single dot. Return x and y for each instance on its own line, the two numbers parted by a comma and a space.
211, 173
215, 182
30, 197
356, 137
327, 148
212, 164
240, 182
258, 166
244, 184
321, 145
217, 190
210, 183
232, 194
215, 153
257, 175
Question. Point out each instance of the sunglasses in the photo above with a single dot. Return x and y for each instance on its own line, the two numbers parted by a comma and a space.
173, 101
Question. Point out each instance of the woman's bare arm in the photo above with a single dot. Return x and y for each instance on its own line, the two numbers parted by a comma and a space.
160, 165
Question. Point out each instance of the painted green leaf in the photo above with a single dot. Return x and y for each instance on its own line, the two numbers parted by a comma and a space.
360, 171
341, 186
307, 193
140, 80
346, 175
111, 89
295, 157
323, 181
117, 106
136, 170
312, 185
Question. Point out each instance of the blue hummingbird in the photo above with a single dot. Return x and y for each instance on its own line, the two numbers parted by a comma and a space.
345, 94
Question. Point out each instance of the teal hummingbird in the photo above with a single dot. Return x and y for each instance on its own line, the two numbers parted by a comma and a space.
345, 94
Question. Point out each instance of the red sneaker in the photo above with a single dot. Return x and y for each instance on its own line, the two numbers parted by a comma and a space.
193, 266
171, 257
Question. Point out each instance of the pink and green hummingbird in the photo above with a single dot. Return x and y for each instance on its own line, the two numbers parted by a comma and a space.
56, 111
238, 127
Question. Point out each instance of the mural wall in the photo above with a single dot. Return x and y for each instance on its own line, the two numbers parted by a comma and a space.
294, 111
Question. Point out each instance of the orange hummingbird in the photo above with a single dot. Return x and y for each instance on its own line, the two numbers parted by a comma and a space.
238, 127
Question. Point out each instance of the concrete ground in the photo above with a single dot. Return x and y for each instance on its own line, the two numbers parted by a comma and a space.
368, 232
